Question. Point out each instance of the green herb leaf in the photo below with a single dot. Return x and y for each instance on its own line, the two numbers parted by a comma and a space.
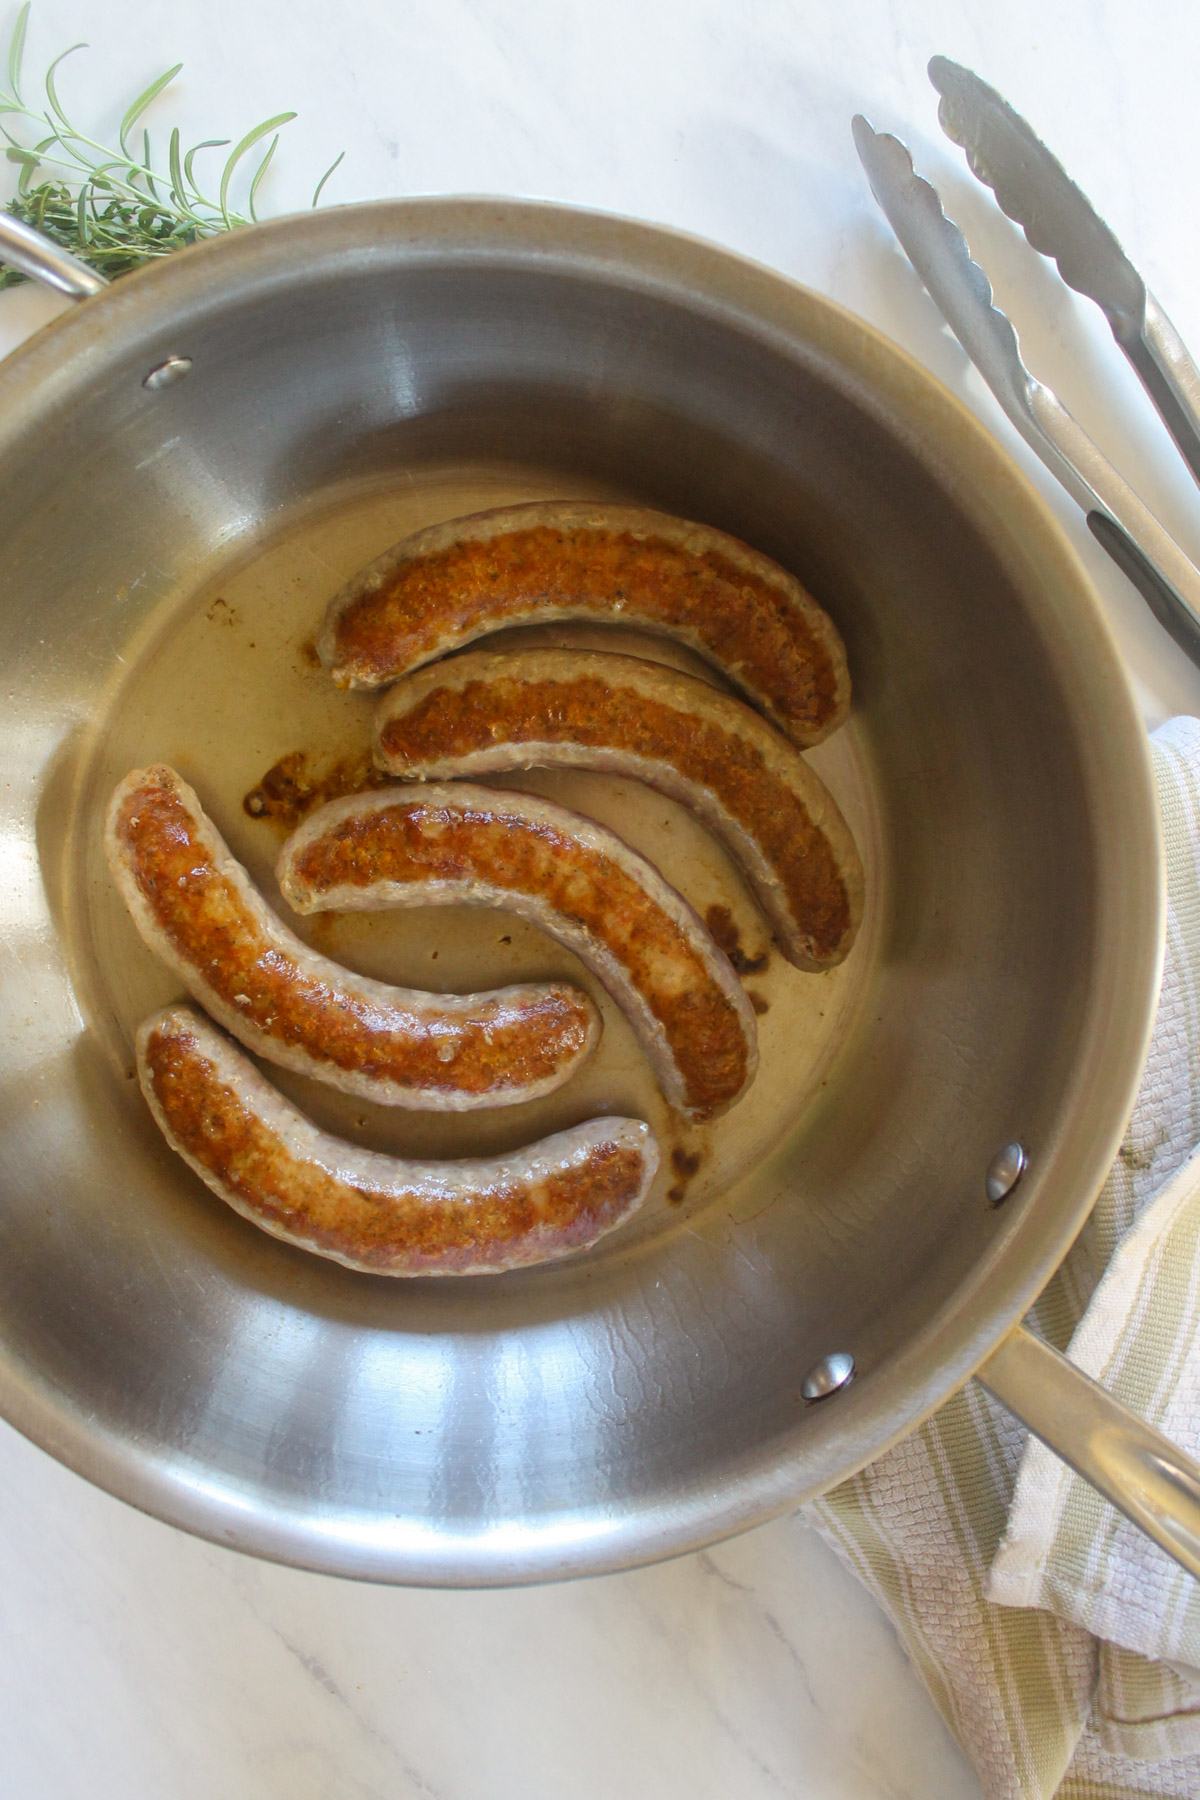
325, 177
147, 165
145, 99
193, 153
15, 48
259, 173
235, 156
52, 91
178, 190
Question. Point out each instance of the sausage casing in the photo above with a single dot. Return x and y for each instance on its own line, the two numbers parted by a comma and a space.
374, 1212
520, 565
463, 845
482, 713
197, 908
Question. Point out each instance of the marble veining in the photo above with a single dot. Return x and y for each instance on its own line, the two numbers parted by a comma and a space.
139, 1663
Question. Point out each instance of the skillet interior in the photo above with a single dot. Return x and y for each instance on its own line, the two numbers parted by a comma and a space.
167, 555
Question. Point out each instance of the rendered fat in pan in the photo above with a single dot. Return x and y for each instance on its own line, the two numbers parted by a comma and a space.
456, 844
197, 908
481, 713
373, 1212
522, 565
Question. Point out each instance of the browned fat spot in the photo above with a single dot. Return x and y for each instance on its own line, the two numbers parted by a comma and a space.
379, 1227
308, 653
290, 789
591, 711
745, 622
214, 930
723, 926
221, 609
686, 1164
415, 840
759, 1002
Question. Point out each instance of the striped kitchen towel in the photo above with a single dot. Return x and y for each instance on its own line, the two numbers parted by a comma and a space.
1061, 1646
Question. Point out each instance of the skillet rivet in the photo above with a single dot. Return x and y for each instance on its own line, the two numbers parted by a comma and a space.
1004, 1171
828, 1376
166, 374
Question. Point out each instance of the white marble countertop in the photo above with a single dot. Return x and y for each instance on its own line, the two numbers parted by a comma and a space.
137, 1662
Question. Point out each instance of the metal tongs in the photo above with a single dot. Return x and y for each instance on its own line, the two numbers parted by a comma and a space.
1035, 190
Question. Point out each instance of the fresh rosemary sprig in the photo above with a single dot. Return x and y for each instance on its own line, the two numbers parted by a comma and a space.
112, 207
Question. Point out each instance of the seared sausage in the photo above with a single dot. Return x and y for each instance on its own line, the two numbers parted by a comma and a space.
475, 846
480, 713
523, 565
198, 910
374, 1212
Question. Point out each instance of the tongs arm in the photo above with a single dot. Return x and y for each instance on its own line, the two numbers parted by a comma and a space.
1137, 541
1165, 369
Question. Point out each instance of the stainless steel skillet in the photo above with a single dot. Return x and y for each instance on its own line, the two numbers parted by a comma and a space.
189, 463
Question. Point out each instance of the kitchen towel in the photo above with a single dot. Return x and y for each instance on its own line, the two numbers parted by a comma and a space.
1061, 1646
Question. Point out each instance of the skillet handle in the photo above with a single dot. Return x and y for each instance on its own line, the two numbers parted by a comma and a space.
21, 247
1131, 1464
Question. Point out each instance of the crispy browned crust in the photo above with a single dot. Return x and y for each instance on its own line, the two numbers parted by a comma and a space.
373, 1212
480, 713
452, 583
195, 906
572, 876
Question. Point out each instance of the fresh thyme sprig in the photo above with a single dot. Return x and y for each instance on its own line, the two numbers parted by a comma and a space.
111, 207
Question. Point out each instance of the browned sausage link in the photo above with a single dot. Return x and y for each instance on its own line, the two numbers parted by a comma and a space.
373, 1212
197, 908
480, 712
451, 583
463, 845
